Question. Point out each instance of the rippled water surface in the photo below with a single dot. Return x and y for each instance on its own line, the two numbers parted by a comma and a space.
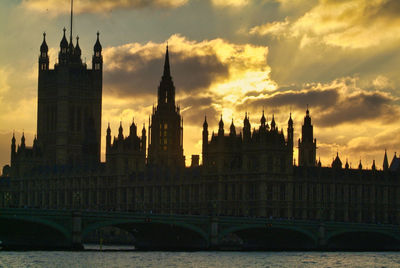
198, 259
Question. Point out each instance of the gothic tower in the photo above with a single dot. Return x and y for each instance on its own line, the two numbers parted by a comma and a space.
69, 105
307, 144
166, 126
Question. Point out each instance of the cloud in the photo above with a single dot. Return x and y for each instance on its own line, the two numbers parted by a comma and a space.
135, 69
196, 108
275, 28
348, 24
99, 6
335, 103
230, 3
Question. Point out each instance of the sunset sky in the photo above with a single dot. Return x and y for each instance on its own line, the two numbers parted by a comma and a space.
341, 57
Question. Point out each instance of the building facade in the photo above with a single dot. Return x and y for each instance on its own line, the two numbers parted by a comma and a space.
69, 111
244, 173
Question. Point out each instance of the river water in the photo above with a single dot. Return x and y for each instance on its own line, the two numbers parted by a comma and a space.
122, 257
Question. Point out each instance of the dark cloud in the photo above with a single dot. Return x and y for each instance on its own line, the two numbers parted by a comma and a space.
333, 104
295, 99
138, 74
195, 108
358, 108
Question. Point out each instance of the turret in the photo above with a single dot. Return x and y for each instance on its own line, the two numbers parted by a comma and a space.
307, 144
360, 165
246, 128
78, 51
290, 132
97, 60
143, 141
221, 127
262, 120
120, 132
346, 166
133, 130
337, 163
23, 141
232, 132
273, 124
108, 138
385, 162
63, 54
205, 139
13, 149
44, 57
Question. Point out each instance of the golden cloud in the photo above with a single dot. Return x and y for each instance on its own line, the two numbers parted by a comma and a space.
348, 24
276, 28
230, 3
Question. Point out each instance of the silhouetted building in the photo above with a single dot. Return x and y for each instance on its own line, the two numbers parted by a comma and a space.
261, 150
69, 111
244, 173
307, 143
166, 126
126, 154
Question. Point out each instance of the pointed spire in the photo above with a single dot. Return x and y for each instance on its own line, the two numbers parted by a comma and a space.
78, 50
360, 165
108, 129
385, 162
120, 131
205, 124
97, 45
263, 120
221, 127
23, 140
221, 123
273, 122
13, 138
319, 162
167, 71
232, 129
44, 48
64, 42
133, 128
337, 163
290, 122
373, 165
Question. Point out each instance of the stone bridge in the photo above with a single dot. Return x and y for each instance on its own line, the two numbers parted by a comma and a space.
66, 229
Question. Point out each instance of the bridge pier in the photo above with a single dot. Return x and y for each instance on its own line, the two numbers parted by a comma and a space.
214, 241
76, 237
321, 236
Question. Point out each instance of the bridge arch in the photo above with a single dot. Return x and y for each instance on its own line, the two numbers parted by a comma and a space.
363, 239
40, 232
142, 224
308, 239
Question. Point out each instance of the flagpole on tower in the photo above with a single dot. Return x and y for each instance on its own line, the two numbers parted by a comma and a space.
72, 15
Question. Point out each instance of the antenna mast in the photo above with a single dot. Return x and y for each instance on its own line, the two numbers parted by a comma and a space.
72, 15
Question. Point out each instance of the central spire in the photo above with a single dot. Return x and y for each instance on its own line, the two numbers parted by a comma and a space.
166, 90
167, 72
